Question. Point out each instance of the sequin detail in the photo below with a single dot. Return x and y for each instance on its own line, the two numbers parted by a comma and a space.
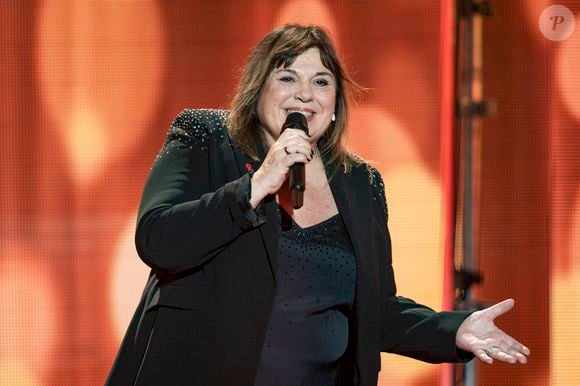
200, 128
308, 329
378, 188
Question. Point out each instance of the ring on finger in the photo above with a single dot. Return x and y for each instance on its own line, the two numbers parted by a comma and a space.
490, 349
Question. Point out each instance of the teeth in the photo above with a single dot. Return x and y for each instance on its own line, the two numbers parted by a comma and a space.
307, 114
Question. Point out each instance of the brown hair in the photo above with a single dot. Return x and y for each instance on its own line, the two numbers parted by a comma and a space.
280, 48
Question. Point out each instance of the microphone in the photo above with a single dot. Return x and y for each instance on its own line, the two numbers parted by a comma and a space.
297, 178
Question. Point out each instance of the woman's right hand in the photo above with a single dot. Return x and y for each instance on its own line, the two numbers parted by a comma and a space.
292, 146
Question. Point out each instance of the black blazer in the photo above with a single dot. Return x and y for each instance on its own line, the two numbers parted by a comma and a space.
205, 309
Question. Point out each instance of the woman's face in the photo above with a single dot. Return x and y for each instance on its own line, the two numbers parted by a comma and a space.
305, 86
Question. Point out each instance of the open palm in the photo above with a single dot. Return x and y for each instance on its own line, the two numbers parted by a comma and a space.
478, 334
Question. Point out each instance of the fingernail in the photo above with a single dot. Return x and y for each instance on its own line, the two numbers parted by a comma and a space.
311, 153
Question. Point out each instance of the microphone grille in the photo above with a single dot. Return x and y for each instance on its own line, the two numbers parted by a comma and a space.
296, 120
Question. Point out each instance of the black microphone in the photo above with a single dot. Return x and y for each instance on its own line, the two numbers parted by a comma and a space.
297, 178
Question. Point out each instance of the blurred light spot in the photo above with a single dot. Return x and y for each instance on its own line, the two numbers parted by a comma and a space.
568, 76
308, 12
87, 142
100, 66
414, 200
403, 79
127, 280
15, 374
565, 319
28, 317
575, 232
565, 292
380, 138
533, 10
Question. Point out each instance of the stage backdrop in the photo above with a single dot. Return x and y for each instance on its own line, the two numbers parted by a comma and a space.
89, 88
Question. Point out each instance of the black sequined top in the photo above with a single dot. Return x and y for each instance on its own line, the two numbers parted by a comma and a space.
308, 330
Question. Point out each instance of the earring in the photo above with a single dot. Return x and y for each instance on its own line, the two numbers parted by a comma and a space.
333, 117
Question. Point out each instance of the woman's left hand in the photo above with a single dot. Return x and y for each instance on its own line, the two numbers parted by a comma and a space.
479, 335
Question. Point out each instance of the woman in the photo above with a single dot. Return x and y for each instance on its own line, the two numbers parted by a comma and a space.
245, 290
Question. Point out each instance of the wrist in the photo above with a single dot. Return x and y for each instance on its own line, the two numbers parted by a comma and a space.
256, 192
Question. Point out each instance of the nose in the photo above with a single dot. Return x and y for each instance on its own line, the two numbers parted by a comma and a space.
303, 92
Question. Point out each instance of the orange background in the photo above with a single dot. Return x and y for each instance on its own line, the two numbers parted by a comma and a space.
88, 89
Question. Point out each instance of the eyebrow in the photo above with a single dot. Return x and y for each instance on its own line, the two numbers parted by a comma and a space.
295, 73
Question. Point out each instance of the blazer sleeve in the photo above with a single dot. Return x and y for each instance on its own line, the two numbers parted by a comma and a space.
412, 329
183, 223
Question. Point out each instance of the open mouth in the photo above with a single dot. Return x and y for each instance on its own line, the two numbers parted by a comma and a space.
307, 114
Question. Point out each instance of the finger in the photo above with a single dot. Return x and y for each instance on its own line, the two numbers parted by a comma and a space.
293, 158
299, 148
518, 351
294, 132
513, 352
509, 344
505, 353
294, 139
521, 358
520, 347
499, 309
503, 356
517, 346
291, 155
281, 152
482, 356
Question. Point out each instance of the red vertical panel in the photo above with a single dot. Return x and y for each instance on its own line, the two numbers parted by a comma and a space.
446, 123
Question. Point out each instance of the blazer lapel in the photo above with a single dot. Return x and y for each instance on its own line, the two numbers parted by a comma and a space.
353, 198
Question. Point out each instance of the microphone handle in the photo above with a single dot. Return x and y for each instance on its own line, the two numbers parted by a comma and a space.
296, 183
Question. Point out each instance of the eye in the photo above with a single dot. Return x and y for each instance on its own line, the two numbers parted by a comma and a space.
321, 82
286, 78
